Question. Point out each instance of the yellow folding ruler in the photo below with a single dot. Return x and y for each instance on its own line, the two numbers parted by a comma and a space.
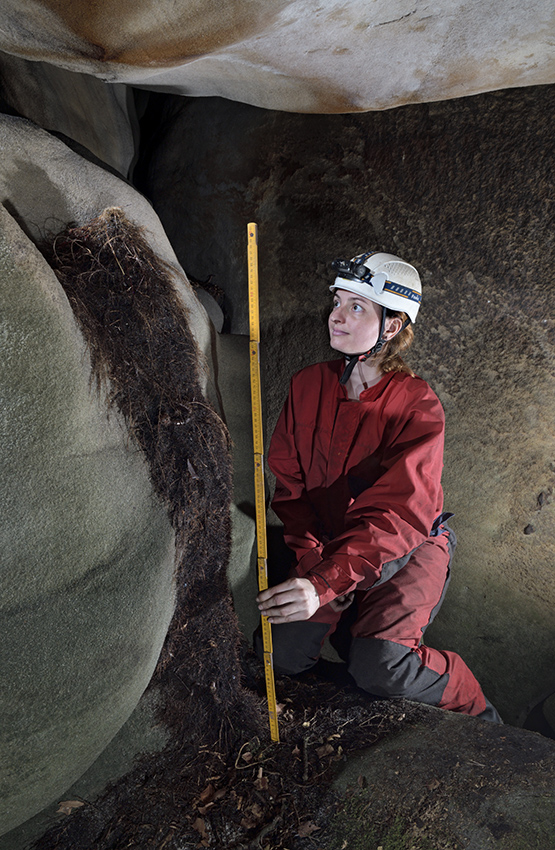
258, 439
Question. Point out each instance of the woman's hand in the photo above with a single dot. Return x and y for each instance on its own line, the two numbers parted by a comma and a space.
292, 600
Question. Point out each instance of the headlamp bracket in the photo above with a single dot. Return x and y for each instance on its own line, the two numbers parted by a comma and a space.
360, 273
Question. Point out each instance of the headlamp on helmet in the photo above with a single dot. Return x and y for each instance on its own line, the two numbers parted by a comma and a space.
383, 278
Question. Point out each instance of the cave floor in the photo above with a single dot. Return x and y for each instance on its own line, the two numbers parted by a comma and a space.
313, 790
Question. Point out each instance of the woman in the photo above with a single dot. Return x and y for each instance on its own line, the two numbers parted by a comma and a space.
357, 454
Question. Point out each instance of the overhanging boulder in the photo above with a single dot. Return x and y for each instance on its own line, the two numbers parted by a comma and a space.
293, 55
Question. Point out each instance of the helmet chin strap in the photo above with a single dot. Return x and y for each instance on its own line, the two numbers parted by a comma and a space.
353, 359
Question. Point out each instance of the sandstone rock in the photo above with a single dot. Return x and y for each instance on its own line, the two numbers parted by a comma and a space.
46, 185
98, 116
141, 733
296, 55
449, 781
88, 554
233, 379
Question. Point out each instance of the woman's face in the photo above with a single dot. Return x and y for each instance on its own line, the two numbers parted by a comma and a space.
354, 322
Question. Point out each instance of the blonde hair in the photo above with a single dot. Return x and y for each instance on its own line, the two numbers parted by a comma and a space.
389, 359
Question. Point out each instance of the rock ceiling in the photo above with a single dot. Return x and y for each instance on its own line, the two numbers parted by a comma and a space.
293, 55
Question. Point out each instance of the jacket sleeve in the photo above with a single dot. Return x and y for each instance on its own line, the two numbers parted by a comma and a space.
290, 501
393, 516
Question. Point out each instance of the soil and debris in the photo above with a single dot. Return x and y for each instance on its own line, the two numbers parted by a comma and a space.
258, 794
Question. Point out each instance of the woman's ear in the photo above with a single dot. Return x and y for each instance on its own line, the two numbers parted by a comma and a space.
393, 325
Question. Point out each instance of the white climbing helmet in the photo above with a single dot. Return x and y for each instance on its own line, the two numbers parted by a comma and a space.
383, 278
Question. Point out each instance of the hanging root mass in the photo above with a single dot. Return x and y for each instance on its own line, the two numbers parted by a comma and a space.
145, 359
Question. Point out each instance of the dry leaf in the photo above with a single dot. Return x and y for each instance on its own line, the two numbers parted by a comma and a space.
221, 792
295, 751
246, 756
207, 794
326, 750
200, 827
67, 806
307, 828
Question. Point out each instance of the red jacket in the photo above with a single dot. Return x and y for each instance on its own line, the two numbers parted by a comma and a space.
358, 482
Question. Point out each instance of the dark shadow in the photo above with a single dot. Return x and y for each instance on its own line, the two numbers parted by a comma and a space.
536, 720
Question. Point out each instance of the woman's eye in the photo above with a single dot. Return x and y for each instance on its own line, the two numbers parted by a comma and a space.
357, 308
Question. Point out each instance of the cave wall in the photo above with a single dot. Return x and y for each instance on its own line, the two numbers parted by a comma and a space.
79, 107
464, 191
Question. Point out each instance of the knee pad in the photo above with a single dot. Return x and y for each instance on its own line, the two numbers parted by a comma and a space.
296, 646
391, 670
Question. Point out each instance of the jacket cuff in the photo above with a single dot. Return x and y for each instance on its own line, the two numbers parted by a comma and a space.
330, 581
310, 559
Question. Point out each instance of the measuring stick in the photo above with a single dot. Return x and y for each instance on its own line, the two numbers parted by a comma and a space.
258, 440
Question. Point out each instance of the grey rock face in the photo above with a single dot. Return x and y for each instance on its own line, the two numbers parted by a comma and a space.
98, 116
449, 781
87, 551
87, 554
